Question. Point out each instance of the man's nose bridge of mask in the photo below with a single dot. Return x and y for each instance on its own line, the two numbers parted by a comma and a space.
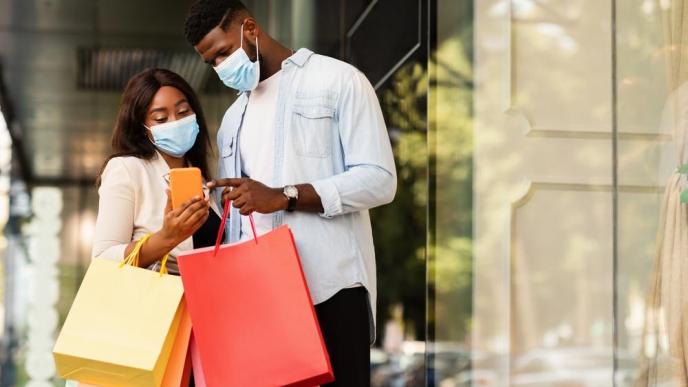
242, 38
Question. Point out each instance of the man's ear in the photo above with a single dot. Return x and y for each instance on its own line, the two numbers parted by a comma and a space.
252, 33
251, 30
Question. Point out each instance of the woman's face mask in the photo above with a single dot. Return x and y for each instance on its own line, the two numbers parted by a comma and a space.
237, 71
175, 138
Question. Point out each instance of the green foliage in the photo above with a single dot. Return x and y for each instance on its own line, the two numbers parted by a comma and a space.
683, 169
450, 264
429, 111
400, 228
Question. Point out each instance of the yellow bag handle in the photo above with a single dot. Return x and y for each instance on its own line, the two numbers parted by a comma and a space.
133, 257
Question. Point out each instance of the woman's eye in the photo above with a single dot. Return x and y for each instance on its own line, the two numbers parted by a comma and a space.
160, 120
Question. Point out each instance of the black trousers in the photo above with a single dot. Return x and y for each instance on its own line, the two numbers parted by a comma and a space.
346, 329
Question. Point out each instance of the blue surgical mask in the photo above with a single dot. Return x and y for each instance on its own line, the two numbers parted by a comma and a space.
177, 137
237, 71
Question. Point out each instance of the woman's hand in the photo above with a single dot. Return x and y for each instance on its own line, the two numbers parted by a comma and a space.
178, 225
183, 221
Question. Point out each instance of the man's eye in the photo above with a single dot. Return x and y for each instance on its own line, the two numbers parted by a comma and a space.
221, 56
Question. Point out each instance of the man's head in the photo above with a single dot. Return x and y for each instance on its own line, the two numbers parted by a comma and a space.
214, 28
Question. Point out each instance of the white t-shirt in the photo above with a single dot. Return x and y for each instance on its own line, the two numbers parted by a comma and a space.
257, 145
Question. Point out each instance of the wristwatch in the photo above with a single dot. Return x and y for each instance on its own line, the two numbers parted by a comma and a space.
292, 193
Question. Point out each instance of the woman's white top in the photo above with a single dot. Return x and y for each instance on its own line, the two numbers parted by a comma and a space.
132, 204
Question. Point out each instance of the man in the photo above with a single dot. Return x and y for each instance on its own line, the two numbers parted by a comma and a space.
304, 144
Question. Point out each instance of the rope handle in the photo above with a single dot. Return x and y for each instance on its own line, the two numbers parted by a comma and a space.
221, 230
133, 258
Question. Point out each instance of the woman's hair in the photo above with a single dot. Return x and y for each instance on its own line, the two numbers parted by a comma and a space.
129, 137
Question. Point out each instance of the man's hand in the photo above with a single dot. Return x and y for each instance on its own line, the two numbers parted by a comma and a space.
249, 195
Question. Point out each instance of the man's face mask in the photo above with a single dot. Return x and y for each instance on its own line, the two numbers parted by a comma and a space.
237, 71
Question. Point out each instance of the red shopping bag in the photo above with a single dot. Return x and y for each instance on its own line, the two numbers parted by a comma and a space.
199, 376
254, 323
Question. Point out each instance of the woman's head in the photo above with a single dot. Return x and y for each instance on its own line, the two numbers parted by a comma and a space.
156, 97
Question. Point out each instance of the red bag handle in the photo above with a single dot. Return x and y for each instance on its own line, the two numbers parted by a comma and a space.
221, 231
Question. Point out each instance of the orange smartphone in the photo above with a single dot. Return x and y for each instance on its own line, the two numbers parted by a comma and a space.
185, 183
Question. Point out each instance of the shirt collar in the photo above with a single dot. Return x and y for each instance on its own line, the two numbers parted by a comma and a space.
300, 57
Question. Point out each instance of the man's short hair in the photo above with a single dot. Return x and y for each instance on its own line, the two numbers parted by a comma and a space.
204, 15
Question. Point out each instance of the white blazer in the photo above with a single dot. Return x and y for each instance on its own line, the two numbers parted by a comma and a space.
132, 204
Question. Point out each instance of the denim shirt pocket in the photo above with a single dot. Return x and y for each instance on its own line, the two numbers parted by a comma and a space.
228, 148
227, 158
313, 124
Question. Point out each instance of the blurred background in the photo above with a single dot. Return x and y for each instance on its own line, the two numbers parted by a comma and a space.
537, 237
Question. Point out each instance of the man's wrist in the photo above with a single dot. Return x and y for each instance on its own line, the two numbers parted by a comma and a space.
282, 199
291, 192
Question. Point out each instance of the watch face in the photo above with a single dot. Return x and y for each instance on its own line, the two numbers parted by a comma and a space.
291, 191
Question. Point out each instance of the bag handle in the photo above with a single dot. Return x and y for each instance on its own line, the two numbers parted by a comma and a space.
133, 258
221, 230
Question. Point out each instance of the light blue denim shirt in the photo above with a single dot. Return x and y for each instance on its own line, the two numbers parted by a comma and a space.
330, 133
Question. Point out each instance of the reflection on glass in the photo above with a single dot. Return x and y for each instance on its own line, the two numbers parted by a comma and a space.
450, 241
653, 95
5, 165
543, 195
399, 232
552, 304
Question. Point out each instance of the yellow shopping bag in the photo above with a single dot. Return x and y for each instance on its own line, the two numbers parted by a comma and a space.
178, 371
122, 325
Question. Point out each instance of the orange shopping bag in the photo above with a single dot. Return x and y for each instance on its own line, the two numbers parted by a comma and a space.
254, 323
178, 371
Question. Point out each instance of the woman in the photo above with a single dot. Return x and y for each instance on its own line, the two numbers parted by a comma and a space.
160, 125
